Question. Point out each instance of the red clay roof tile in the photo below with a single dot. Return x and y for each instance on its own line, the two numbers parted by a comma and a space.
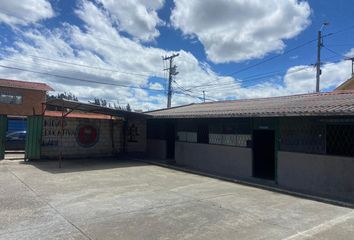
25, 85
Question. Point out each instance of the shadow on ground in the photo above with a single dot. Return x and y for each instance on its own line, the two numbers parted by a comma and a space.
79, 165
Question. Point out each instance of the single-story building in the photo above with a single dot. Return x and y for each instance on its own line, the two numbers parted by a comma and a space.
301, 142
81, 130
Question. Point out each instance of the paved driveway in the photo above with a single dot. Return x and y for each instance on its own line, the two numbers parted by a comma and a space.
107, 199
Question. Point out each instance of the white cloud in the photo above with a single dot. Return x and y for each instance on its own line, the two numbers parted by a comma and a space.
333, 74
99, 44
237, 30
137, 17
24, 12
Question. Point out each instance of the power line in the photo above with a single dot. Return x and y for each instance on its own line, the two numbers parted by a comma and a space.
79, 79
220, 87
285, 52
87, 66
332, 51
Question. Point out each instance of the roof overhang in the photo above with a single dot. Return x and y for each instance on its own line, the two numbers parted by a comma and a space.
92, 108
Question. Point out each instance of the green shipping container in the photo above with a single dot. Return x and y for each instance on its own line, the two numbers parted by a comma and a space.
3, 129
34, 137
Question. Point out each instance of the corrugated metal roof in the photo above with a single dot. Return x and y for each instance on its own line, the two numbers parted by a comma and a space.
77, 115
91, 108
25, 85
314, 104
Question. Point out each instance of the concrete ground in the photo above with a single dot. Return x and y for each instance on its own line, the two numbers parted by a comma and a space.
109, 199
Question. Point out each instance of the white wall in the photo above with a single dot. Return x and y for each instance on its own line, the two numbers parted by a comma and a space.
51, 143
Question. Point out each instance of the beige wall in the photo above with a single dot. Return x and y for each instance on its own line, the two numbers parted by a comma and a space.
31, 102
224, 160
319, 174
51, 144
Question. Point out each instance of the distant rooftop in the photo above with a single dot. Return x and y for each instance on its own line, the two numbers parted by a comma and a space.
313, 104
347, 85
25, 85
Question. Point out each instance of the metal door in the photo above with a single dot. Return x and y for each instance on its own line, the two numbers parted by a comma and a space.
3, 129
34, 137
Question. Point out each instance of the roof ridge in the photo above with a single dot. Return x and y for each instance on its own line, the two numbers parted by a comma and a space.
162, 109
262, 98
12, 83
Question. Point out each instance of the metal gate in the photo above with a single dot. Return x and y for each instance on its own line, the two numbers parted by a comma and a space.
34, 137
3, 129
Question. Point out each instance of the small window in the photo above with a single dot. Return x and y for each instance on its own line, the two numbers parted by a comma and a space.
10, 98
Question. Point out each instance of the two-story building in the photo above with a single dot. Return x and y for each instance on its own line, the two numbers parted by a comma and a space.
20, 98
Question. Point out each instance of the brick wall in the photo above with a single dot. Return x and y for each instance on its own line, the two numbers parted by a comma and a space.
107, 130
31, 101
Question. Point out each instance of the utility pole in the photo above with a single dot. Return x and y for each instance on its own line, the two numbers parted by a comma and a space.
318, 63
351, 59
171, 72
203, 96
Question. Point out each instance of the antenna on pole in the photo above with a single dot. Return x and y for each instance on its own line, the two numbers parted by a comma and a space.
318, 63
171, 72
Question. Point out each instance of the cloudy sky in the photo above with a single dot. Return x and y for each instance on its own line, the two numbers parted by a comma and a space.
231, 49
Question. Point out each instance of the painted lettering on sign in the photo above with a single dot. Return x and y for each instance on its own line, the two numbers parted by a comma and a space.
86, 135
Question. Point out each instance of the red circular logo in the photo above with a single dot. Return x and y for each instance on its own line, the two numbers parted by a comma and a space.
87, 136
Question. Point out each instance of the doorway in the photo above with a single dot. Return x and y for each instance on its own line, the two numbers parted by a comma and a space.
264, 154
170, 141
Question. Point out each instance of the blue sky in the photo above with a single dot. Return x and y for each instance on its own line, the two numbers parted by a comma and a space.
121, 44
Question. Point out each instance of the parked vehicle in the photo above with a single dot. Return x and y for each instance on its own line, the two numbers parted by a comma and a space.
16, 140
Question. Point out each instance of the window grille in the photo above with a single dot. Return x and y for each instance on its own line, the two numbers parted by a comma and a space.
302, 135
187, 137
239, 140
340, 140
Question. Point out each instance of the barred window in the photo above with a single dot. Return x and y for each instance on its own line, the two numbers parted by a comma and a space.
340, 140
302, 135
187, 137
240, 140
187, 130
230, 132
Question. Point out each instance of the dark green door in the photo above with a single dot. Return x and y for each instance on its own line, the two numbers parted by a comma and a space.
3, 129
34, 137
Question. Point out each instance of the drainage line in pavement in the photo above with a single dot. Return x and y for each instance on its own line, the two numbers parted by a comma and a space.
47, 203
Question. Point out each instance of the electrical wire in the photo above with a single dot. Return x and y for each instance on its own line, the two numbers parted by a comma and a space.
86, 66
79, 79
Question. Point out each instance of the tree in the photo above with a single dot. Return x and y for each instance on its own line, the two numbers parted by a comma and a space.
66, 96
128, 108
99, 101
